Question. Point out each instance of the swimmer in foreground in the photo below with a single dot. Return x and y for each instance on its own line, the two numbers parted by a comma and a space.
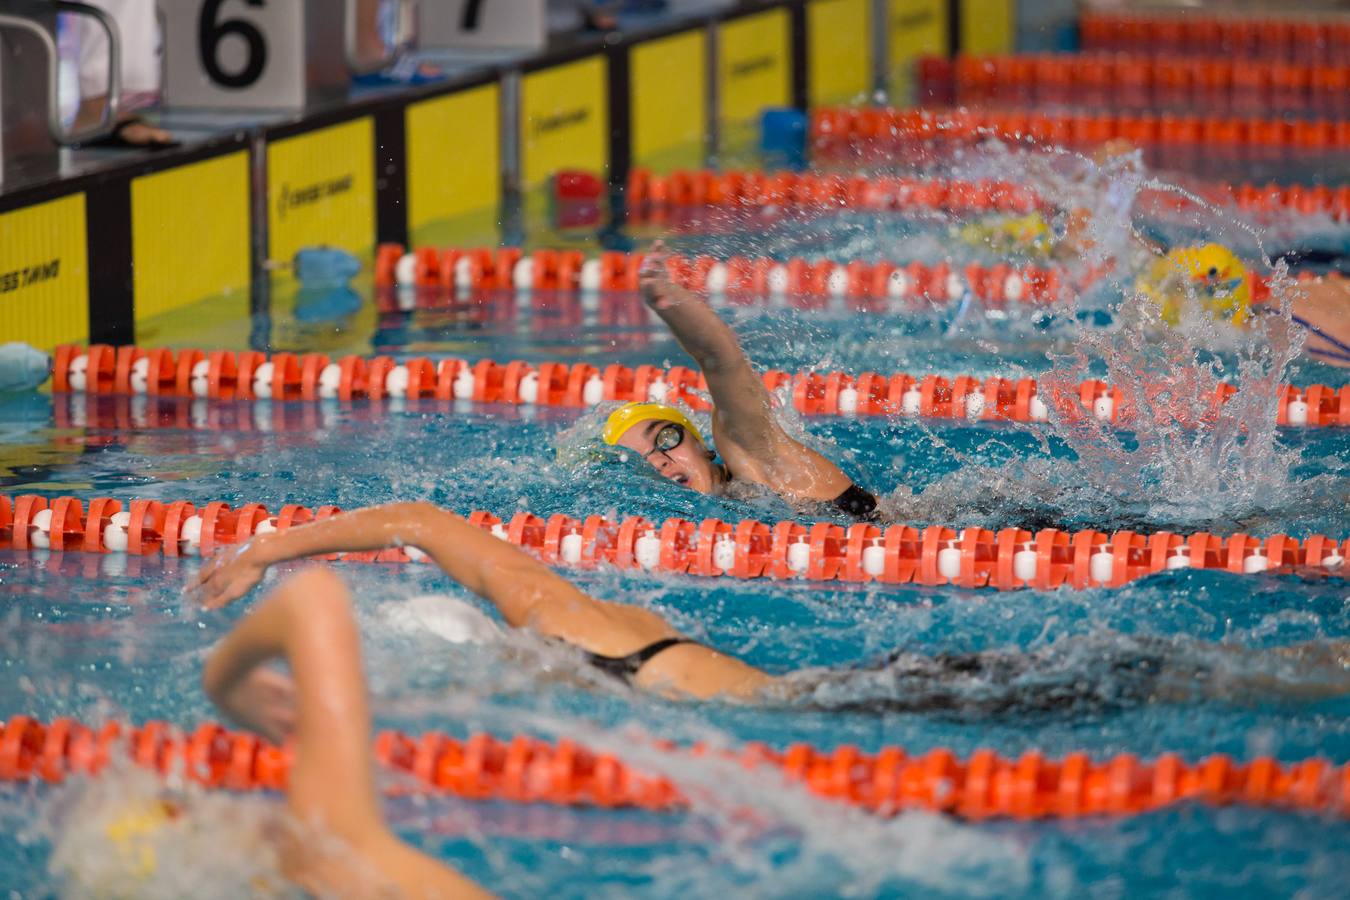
308, 622
130, 840
753, 446
640, 648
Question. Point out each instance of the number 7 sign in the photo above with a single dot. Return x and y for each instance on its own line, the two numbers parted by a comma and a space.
482, 23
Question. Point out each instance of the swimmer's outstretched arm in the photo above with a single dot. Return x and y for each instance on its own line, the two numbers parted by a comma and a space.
308, 622
743, 410
526, 592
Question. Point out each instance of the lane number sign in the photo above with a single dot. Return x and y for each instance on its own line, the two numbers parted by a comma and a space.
236, 54
519, 24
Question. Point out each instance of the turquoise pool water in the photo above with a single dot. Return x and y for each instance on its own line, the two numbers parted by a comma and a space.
100, 637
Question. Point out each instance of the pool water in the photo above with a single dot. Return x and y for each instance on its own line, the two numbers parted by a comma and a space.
114, 637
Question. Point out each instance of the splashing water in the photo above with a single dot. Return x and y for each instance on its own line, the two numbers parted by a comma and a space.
1186, 460
123, 835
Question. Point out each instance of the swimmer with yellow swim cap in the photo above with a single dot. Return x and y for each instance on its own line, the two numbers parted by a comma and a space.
1213, 276
752, 445
666, 438
1209, 273
1028, 235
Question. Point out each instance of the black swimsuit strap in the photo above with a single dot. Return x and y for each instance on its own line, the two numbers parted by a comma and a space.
857, 502
625, 667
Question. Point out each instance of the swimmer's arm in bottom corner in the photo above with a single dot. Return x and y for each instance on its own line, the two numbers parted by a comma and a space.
308, 621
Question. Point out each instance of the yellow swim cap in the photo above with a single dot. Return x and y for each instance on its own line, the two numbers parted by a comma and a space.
1029, 234
1213, 272
630, 414
131, 832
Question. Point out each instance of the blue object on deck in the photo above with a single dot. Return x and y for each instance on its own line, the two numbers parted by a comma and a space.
404, 73
324, 266
22, 367
325, 304
782, 138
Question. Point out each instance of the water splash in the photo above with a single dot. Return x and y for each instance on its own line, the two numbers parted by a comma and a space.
113, 836
1186, 460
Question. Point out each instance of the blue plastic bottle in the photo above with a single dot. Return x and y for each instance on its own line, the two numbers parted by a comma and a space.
782, 138
22, 367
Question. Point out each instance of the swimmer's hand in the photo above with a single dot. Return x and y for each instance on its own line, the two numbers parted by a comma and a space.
231, 573
263, 701
654, 280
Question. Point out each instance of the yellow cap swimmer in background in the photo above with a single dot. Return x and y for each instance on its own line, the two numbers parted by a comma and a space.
635, 413
1214, 274
132, 832
1029, 234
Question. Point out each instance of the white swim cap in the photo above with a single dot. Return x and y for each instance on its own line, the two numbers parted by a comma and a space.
449, 618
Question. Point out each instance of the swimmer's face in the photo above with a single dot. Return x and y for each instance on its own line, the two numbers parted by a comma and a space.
688, 462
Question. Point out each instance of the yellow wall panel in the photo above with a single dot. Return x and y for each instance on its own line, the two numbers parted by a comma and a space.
321, 190
669, 101
564, 120
454, 156
914, 28
44, 274
190, 234
839, 53
988, 26
754, 66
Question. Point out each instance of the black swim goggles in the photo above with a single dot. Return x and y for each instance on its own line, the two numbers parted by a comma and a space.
667, 439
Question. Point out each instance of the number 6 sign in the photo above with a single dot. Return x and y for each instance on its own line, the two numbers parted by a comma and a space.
256, 54
212, 44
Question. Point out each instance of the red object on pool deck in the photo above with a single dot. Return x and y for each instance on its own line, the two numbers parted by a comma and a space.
576, 200
525, 769
573, 184
1008, 559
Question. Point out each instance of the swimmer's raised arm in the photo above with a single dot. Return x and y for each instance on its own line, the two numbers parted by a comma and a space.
737, 391
744, 427
308, 621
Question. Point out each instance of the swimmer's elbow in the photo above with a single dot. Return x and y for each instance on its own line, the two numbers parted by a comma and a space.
416, 512
421, 522
213, 683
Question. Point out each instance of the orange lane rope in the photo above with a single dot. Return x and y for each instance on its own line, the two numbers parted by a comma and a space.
1265, 40
529, 770
1242, 90
854, 130
248, 375
898, 554
508, 268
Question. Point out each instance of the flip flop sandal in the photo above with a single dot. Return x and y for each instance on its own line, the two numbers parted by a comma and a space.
116, 139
